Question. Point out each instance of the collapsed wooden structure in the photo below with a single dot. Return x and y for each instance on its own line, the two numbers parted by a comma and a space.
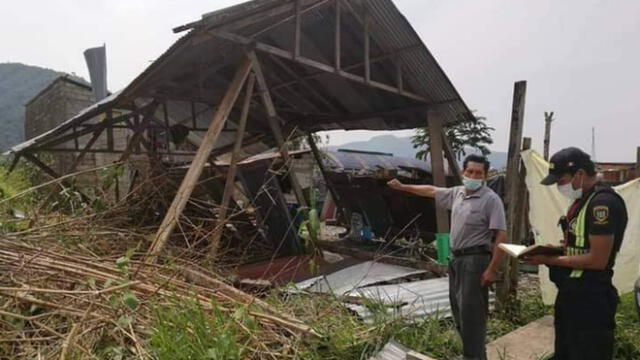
247, 77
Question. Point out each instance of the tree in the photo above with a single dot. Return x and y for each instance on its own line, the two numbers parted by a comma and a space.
475, 134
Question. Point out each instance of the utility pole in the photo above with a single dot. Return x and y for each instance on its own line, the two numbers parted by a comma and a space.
593, 144
548, 119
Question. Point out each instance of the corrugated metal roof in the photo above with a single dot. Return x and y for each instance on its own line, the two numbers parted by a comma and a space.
198, 67
354, 277
418, 299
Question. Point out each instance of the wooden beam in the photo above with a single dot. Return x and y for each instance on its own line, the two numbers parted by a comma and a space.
367, 45
435, 121
296, 33
357, 65
548, 119
338, 36
229, 184
109, 130
272, 117
200, 159
138, 133
325, 175
87, 130
399, 78
44, 167
14, 163
638, 162
454, 167
315, 93
315, 64
506, 291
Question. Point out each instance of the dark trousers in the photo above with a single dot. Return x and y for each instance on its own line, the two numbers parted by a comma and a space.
470, 302
585, 320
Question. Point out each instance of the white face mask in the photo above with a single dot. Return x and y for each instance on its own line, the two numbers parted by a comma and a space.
472, 184
568, 190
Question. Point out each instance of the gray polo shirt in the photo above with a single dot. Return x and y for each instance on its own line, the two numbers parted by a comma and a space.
473, 217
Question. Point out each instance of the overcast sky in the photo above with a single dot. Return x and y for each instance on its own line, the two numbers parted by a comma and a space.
581, 58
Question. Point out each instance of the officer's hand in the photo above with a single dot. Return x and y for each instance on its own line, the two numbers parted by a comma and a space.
395, 184
489, 277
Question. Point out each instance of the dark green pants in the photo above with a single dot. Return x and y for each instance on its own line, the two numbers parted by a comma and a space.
470, 303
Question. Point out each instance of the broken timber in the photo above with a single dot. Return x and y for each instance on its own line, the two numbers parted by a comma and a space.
199, 160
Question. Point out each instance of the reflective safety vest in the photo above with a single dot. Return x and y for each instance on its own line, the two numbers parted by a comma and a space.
579, 247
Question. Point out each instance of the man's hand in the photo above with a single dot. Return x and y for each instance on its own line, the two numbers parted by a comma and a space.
395, 184
489, 277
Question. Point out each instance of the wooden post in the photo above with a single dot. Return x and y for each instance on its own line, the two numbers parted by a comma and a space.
454, 167
110, 130
434, 120
318, 157
506, 289
367, 45
272, 117
297, 31
199, 160
231, 172
14, 163
338, 36
638, 162
548, 118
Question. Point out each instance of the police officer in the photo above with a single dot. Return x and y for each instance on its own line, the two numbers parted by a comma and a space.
593, 230
477, 217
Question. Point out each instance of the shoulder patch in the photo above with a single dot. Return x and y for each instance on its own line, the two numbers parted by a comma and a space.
601, 214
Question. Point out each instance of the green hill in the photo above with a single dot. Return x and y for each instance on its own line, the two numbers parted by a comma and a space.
19, 83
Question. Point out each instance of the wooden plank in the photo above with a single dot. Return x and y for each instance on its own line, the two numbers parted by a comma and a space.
506, 289
231, 171
454, 167
338, 36
199, 160
315, 64
167, 126
399, 77
14, 163
435, 121
296, 33
194, 116
109, 130
367, 46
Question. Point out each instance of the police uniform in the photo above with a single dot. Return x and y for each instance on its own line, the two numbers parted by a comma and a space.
586, 304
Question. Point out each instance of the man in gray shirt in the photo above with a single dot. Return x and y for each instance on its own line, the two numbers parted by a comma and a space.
477, 218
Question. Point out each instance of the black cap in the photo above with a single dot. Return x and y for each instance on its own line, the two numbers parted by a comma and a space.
567, 161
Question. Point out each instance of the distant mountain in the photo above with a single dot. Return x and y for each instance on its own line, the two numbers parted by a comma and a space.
19, 83
402, 147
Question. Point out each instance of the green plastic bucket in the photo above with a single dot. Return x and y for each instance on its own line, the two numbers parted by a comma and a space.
442, 245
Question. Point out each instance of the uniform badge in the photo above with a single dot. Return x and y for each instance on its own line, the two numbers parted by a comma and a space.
601, 214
